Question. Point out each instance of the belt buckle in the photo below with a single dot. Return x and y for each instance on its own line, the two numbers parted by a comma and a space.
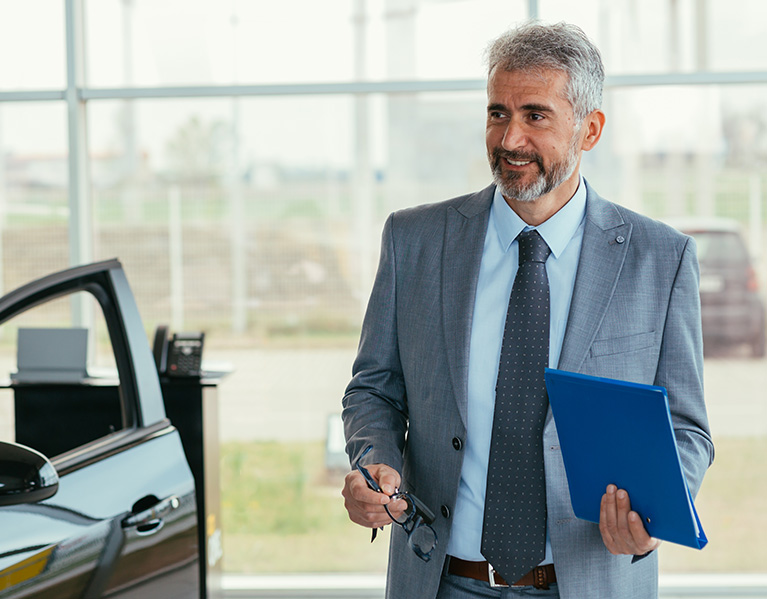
491, 578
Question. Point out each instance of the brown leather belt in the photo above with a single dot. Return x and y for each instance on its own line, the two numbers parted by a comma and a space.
539, 577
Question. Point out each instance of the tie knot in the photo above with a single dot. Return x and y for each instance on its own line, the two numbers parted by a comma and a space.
532, 247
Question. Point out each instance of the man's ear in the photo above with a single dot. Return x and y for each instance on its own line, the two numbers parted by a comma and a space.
593, 125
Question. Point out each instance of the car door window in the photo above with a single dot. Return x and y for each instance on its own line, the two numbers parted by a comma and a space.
49, 364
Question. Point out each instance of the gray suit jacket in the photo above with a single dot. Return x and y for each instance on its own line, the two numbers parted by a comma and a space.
635, 315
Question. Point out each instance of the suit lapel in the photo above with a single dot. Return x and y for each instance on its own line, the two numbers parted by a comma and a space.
465, 230
606, 238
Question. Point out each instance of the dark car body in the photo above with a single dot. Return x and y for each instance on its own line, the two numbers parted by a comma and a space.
732, 308
122, 520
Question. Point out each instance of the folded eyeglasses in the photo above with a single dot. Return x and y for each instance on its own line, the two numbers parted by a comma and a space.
415, 520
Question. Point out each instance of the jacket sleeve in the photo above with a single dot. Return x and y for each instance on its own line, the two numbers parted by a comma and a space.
680, 370
375, 403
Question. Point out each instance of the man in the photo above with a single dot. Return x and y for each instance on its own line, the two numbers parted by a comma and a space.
620, 301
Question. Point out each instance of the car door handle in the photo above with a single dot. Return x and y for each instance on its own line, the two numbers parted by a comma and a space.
150, 520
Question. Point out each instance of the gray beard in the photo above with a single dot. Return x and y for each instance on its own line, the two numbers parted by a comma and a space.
547, 181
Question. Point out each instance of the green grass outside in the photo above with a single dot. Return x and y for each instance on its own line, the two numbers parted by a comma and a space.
282, 512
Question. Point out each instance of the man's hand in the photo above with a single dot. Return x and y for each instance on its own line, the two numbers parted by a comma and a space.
365, 506
622, 529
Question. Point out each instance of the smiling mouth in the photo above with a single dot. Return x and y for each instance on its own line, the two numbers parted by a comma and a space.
517, 162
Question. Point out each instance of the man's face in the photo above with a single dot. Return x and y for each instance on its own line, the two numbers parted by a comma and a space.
532, 142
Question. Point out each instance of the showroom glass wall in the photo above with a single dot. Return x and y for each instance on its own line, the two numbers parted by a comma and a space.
240, 158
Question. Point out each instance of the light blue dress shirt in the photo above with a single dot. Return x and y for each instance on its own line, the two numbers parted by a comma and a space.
563, 233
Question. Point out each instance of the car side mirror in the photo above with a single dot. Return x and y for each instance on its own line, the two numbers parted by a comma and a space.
26, 475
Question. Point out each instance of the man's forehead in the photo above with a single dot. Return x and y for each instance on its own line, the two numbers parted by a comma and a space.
544, 81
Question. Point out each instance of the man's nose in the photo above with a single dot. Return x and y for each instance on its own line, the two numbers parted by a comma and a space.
514, 137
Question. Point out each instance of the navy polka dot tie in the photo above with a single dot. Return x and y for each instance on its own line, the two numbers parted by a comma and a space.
514, 529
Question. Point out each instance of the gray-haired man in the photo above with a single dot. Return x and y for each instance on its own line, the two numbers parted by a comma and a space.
448, 371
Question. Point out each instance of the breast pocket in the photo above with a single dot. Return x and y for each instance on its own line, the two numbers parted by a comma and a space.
629, 358
622, 345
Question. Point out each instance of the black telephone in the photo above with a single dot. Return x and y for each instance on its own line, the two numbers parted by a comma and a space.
179, 355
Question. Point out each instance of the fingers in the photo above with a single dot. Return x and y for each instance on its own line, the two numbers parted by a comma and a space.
643, 542
607, 521
397, 509
388, 478
622, 529
365, 506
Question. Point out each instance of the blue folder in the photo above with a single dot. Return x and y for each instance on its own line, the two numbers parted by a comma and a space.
618, 432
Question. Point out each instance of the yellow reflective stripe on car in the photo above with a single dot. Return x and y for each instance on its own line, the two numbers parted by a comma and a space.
24, 570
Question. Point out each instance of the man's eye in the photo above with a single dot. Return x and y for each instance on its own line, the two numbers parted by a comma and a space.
536, 117
496, 115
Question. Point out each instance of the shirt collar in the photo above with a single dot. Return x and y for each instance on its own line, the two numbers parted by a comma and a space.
556, 232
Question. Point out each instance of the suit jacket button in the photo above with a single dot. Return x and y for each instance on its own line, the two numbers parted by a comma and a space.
457, 443
445, 511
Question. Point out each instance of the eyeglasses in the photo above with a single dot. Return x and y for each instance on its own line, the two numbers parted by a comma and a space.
415, 520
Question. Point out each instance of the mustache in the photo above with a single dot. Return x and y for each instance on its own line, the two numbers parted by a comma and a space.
499, 154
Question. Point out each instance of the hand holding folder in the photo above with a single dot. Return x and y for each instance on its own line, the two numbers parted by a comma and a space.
621, 527
616, 432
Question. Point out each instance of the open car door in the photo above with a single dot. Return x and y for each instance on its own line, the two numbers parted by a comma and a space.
122, 521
